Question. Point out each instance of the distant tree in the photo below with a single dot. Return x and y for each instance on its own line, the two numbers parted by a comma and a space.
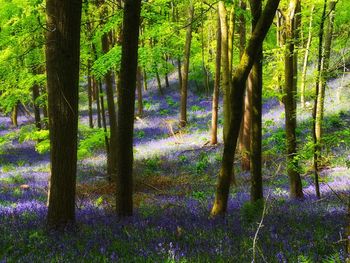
215, 102
126, 107
185, 69
62, 65
324, 52
237, 95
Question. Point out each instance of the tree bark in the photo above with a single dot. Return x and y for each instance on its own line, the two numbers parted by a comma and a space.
186, 65
62, 65
126, 106
226, 83
215, 102
238, 88
255, 82
290, 102
36, 94
306, 59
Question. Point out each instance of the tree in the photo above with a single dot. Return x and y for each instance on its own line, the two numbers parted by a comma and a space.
237, 94
322, 70
126, 107
255, 81
289, 99
62, 65
185, 70
215, 102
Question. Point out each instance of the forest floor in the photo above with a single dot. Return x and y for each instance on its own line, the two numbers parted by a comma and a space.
175, 176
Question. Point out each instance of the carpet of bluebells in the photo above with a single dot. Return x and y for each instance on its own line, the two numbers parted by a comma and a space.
175, 175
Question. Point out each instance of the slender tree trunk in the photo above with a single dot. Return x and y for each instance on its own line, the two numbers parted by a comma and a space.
322, 70
225, 67
62, 65
179, 73
112, 154
145, 87
126, 106
14, 115
89, 87
238, 88
103, 117
245, 130
290, 104
231, 32
36, 94
306, 59
255, 82
98, 104
215, 103
159, 83
184, 82
139, 93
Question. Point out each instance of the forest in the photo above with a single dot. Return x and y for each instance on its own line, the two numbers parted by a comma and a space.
175, 131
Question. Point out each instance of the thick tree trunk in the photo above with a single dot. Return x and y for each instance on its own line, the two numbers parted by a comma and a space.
62, 65
306, 59
215, 103
290, 103
186, 65
237, 96
36, 94
255, 81
126, 107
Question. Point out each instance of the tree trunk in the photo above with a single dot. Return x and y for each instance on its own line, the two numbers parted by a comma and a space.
14, 115
98, 103
245, 130
306, 59
139, 93
321, 78
186, 65
112, 154
89, 87
226, 87
36, 94
126, 106
238, 88
215, 103
290, 103
62, 65
255, 81
231, 33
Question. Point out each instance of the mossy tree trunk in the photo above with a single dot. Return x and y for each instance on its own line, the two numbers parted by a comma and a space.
237, 95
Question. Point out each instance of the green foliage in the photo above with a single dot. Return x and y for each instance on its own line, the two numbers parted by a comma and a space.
41, 137
16, 178
91, 140
251, 212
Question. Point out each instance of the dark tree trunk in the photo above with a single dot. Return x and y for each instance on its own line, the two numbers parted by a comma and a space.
237, 96
62, 65
36, 94
126, 107
255, 81
215, 103
139, 93
103, 116
184, 82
